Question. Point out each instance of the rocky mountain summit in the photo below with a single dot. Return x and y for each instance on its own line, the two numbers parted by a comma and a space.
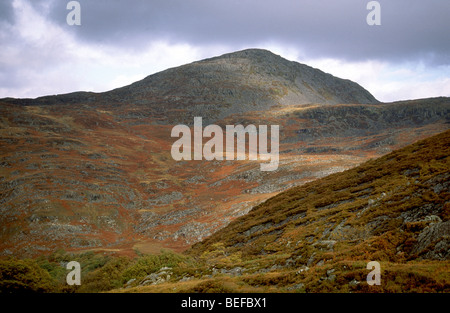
240, 82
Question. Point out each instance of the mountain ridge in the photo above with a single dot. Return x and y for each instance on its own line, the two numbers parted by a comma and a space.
91, 171
255, 79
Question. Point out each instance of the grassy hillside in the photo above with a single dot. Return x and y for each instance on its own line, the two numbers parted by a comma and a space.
394, 210
83, 177
366, 212
318, 237
93, 171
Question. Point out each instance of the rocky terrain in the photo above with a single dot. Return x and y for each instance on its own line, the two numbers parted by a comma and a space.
93, 171
317, 237
392, 208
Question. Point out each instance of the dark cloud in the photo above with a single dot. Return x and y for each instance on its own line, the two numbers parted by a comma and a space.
6, 12
410, 29
38, 58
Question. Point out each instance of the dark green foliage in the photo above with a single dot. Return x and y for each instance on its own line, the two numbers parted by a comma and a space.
98, 272
105, 277
23, 276
148, 264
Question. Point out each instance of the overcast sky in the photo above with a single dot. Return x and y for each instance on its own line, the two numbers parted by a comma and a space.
122, 41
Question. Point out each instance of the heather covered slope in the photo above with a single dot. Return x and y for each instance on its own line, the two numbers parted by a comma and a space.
394, 208
318, 237
78, 177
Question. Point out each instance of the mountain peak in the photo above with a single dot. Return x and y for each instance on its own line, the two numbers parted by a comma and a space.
250, 53
233, 83
242, 81
263, 57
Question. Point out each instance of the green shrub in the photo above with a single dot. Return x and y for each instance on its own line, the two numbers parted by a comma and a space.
148, 264
104, 278
24, 276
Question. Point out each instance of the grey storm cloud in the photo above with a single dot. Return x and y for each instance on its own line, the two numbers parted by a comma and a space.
6, 12
410, 29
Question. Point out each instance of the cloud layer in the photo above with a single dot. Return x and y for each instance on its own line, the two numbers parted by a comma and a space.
120, 41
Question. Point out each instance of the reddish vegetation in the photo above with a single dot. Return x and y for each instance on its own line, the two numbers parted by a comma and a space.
88, 177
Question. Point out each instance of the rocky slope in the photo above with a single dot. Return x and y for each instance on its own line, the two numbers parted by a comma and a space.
93, 171
319, 237
392, 208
